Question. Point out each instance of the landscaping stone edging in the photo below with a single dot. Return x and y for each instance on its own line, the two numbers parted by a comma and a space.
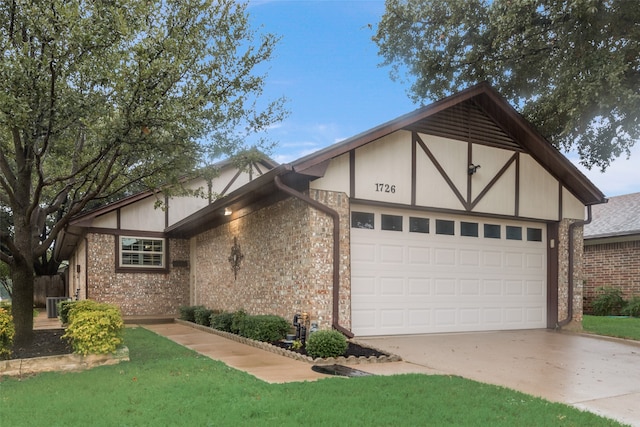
351, 360
61, 363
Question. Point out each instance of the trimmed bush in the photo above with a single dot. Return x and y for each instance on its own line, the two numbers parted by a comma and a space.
202, 316
188, 312
267, 328
237, 321
326, 343
7, 332
632, 308
94, 328
222, 321
63, 310
609, 302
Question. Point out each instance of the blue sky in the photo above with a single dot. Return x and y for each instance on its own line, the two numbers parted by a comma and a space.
328, 68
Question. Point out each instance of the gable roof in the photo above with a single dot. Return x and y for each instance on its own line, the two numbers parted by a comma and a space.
478, 114
619, 217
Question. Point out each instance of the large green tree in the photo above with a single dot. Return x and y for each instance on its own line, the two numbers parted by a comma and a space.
97, 96
572, 68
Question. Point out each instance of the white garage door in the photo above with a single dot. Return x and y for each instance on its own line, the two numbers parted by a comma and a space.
415, 272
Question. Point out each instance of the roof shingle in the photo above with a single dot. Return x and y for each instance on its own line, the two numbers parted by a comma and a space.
619, 217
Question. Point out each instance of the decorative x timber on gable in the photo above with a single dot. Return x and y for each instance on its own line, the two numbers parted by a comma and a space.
471, 193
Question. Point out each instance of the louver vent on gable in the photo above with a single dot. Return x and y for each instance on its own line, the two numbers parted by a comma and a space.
466, 122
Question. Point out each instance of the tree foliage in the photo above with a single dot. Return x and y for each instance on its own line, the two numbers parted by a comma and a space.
98, 96
571, 67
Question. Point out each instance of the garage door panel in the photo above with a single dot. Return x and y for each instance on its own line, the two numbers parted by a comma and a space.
407, 283
419, 286
391, 286
391, 254
419, 255
444, 256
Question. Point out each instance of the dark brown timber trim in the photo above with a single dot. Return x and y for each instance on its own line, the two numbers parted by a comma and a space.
442, 172
552, 274
414, 155
495, 179
516, 208
352, 173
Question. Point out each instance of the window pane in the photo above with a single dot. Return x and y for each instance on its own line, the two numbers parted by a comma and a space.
362, 220
391, 222
491, 231
534, 234
514, 233
135, 252
445, 227
418, 225
469, 229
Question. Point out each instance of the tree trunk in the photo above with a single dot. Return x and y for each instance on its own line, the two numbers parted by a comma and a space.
22, 301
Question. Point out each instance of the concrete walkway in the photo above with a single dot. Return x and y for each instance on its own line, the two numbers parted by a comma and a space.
262, 364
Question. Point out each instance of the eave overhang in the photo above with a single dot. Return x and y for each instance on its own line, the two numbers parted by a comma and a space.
255, 195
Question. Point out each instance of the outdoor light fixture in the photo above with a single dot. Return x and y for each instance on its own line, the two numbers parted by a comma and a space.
473, 168
227, 211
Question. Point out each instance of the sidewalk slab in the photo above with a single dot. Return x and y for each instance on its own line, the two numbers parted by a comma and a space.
263, 364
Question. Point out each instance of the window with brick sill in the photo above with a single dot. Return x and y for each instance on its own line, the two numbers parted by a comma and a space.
141, 253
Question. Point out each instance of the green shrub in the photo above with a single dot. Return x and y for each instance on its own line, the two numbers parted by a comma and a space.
222, 321
7, 332
609, 302
94, 328
237, 321
63, 310
632, 308
202, 316
326, 343
188, 312
267, 328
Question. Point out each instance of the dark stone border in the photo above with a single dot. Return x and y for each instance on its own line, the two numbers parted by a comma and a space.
351, 360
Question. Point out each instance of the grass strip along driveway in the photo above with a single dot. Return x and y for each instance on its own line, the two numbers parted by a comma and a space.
168, 385
613, 326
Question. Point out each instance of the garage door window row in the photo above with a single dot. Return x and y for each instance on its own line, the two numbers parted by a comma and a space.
366, 220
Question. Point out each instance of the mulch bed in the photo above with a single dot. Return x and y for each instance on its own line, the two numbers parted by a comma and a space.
353, 350
46, 342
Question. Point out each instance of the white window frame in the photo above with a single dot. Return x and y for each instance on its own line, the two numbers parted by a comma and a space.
152, 253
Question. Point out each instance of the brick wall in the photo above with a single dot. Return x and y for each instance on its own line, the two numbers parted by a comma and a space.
286, 266
563, 273
136, 293
612, 265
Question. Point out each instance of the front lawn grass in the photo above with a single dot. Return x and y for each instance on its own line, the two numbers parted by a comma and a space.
166, 384
620, 327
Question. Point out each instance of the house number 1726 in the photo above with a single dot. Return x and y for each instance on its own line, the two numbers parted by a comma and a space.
386, 188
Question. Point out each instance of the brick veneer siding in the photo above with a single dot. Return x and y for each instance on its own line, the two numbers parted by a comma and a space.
611, 265
287, 262
136, 293
563, 273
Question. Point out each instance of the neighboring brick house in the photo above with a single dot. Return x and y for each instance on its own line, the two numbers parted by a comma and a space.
612, 248
458, 216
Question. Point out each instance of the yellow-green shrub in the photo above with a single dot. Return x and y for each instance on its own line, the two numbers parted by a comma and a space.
7, 332
94, 328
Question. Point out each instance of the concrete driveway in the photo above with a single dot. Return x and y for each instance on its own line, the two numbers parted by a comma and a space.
592, 373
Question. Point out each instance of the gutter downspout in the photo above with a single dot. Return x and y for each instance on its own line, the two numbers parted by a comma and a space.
336, 249
572, 226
